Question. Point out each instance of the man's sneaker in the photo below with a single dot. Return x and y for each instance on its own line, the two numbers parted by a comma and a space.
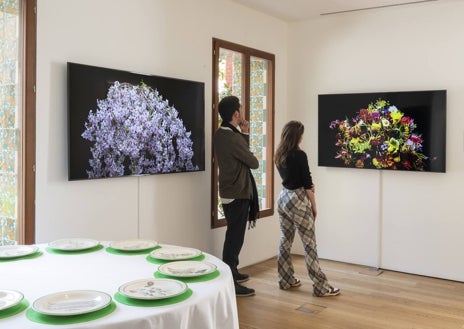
242, 291
239, 278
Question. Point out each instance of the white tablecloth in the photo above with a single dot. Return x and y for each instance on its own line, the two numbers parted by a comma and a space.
212, 304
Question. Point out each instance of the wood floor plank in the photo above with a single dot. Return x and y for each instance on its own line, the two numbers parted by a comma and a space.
370, 299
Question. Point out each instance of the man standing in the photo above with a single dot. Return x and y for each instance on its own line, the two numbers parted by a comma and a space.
234, 160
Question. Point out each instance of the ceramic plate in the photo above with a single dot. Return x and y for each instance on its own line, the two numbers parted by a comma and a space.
175, 253
9, 298
71, 302
153, 289
12, 251
133, 245
186, 268
73, 244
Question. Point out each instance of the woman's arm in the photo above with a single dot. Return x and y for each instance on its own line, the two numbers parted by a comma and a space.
312, 199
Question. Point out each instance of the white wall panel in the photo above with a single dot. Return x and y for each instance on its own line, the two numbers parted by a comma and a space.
162, 37
403, 221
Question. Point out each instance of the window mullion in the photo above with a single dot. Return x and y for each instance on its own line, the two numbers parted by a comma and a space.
246, 85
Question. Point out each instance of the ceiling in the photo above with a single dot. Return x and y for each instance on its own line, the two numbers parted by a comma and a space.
295, 10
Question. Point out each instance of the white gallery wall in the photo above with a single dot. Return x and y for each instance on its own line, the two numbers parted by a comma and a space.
405, 221
170, 38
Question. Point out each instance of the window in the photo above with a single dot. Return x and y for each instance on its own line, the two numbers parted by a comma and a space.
17, 120
248, 74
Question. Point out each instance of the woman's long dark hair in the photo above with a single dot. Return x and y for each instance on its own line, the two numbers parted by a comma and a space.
289, 141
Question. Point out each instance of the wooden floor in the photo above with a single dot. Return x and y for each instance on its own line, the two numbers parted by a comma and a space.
370, 299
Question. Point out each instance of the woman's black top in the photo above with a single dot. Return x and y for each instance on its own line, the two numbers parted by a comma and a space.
296, 174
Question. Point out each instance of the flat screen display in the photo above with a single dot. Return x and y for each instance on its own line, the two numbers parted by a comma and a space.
122, 123
383, 130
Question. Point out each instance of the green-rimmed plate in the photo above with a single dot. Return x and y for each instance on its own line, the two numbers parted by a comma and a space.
10, 298
19, 250
74, 302
151, 289
133, 245
73, 244
186, 268
175, 253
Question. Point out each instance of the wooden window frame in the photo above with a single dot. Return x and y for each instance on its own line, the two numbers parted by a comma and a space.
26, 190
248, 53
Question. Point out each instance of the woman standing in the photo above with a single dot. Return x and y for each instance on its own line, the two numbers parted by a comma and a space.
297, 211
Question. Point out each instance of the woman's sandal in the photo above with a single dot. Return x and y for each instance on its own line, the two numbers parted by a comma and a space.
297, 283
332, 292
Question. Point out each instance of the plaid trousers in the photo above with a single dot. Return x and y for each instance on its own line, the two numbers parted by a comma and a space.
295, 213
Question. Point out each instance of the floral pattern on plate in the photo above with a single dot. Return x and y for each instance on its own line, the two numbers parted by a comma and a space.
151, 289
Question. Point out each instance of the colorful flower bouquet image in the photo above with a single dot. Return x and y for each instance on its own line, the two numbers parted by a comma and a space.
380, 136
134, 131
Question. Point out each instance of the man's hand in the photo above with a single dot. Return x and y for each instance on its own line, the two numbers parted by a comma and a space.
244, 126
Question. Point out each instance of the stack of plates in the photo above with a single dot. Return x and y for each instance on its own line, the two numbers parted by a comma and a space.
73, 244
10, 298
13, 251
72, 302
152, 289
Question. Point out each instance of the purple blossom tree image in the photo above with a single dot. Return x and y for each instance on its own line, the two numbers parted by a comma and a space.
135, 131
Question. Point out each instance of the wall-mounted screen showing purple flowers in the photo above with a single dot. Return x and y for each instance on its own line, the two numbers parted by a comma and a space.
390, 130
123, 123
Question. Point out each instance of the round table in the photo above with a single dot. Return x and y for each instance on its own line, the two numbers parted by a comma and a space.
212, 303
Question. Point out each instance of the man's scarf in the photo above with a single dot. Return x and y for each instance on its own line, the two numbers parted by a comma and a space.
253, 213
